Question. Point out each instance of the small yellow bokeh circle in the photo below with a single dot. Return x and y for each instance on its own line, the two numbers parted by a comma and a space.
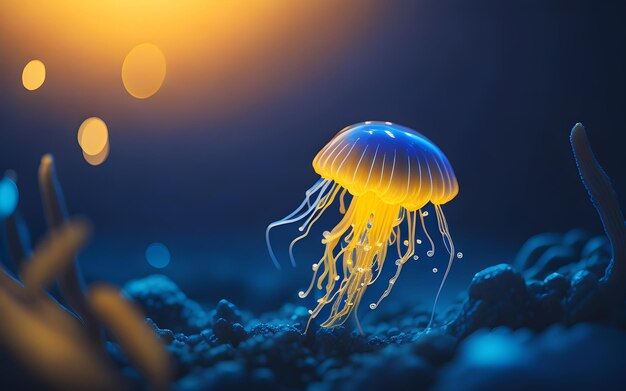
33, 75
143, 70
93, 136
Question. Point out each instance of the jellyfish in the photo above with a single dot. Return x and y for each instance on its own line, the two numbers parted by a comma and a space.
390, 173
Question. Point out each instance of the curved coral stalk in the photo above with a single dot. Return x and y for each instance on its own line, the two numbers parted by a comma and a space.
54, 255
70, 282
17, 239
50, 345
135, 337
9, 283
605, 201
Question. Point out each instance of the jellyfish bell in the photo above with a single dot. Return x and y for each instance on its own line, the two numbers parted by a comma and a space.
391, 173
399, 165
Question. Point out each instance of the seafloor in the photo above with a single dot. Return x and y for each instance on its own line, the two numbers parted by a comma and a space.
538, 325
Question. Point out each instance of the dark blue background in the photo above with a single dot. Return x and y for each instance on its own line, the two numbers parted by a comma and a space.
496, 85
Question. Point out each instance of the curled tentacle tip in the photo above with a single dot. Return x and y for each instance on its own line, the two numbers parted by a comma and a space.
301, 294
373, 306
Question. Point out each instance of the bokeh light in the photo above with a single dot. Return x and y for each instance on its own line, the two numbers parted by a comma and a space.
9, 196
228, 55
96, 160
33, 75
143, 70
93, 136
158, 255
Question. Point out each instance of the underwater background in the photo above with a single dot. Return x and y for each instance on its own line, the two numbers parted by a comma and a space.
251, 95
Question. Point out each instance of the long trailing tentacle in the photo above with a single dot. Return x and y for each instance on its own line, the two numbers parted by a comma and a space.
445, 233
322, 205
430, 252
321, 185
410, 242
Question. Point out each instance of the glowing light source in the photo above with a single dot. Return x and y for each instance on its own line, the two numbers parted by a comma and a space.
93, 136
143, 70
33, 75
158, 255
9, 196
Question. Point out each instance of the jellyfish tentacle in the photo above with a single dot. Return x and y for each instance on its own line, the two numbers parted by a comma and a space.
351, 291
327, 271
321, 207
320, 184
446, 233
443, 228
320, 203
306, 202
411, 222
387, 291
430, 252
303, 294
356, 312
398, 239
380, 261
331, 241
327, 298
381, 255
342, 202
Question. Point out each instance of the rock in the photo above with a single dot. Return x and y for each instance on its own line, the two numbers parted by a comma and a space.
228, 311
583, 299
596, 245
497, 297
576, 239
534, 248
557, 283
552, 259
163, 302
497, 283
227, 332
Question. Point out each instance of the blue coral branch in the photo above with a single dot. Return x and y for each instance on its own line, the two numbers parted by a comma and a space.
606, 203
